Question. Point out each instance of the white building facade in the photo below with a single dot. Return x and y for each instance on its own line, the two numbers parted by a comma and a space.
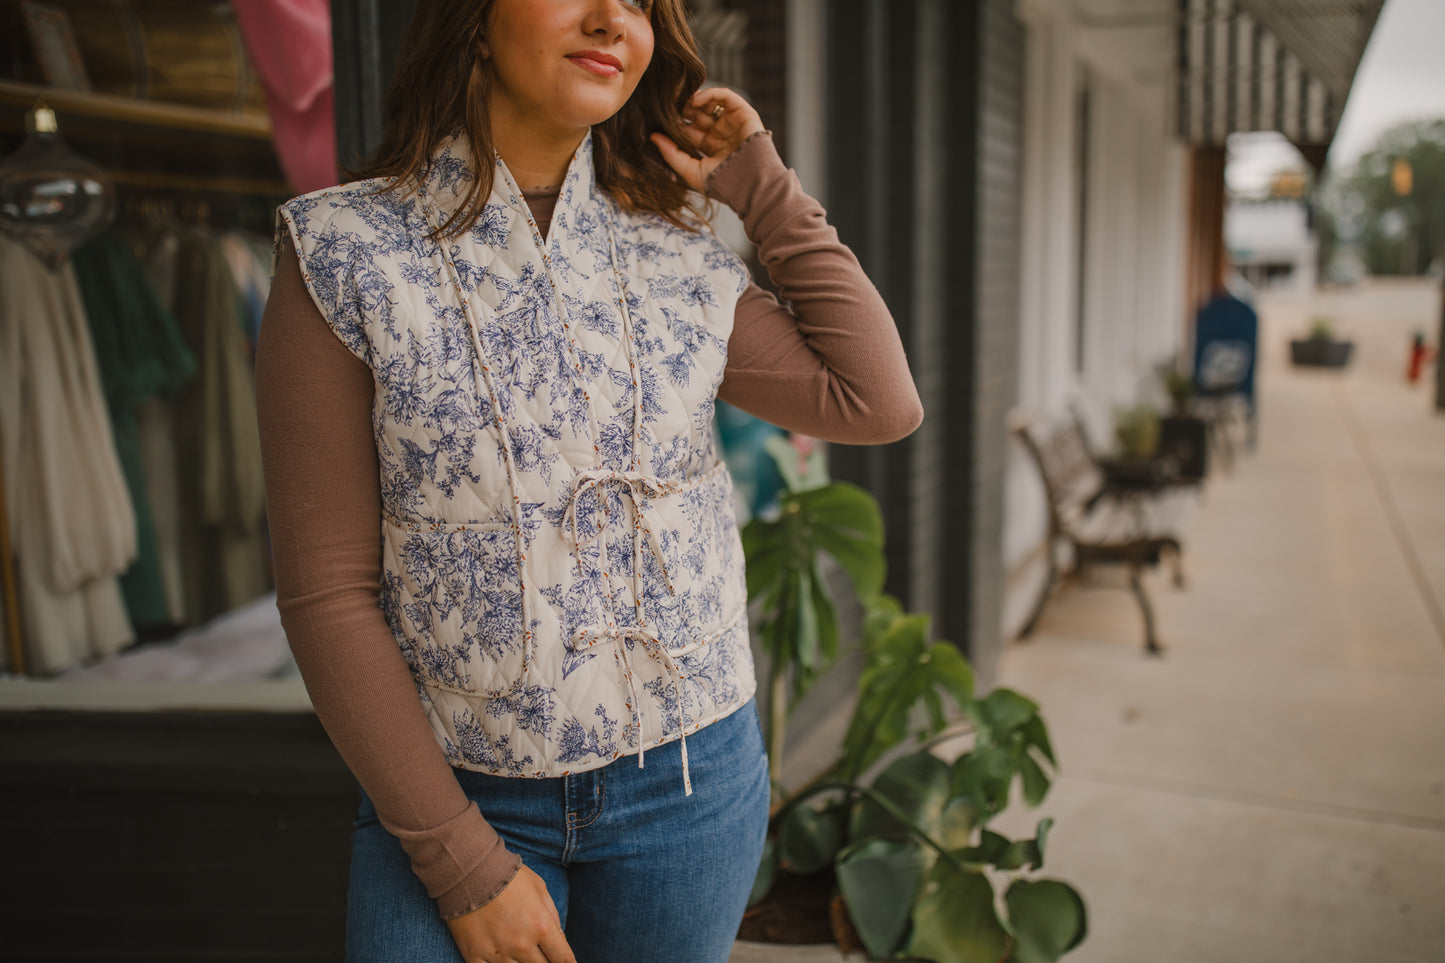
1105, 211
1273, 244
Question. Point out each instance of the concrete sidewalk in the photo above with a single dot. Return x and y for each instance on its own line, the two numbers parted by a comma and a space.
1273, 788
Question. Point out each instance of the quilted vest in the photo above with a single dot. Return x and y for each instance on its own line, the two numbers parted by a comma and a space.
561, 565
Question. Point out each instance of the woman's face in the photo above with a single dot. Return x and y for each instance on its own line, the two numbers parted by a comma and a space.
561, 66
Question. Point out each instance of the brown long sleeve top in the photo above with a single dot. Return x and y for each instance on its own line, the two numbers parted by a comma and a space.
831, 366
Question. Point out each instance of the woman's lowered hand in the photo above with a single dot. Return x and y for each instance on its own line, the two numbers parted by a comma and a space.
719, 120
520, 925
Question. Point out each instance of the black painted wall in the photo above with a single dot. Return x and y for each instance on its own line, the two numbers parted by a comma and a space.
182, 836
873, 204
365, 38
924, 149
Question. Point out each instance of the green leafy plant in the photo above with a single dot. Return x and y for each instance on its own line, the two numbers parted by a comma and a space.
1178, 385
915, 861
1321, 329
798, 622
1136, 429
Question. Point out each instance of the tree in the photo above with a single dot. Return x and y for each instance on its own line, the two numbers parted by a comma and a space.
1391, 203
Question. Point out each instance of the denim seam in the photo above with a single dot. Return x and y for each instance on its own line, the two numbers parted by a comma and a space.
596, 812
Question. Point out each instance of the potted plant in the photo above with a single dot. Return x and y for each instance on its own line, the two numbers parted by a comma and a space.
1183, 437
1179, 386
1320, 349
796, 620
1136, 431
906, 853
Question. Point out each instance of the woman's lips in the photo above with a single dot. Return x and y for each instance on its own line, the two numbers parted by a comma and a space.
601, 64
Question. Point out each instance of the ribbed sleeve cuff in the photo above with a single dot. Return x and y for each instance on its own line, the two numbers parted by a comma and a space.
735, 181
462, 862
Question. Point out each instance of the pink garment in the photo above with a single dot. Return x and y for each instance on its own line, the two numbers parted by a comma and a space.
289, 43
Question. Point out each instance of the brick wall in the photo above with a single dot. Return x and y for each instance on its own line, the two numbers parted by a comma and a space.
996, 339
765, 63
983, 113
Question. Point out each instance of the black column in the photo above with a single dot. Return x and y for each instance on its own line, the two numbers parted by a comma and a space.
960, 111
365, 38
870, 148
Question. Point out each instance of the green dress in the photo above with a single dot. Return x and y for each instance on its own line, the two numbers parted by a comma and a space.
141, 356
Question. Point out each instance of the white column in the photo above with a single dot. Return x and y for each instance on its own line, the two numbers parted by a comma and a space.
1038, 144
807, 103
1060, 250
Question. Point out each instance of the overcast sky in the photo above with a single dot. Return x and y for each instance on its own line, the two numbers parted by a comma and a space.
1402, 77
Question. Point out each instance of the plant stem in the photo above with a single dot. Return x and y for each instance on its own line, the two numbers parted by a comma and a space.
887, 806
778, 725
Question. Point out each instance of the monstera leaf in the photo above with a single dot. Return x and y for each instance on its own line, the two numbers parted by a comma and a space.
917, 785
879, 879
799, 623
809, 839
903, 672
955, 921
1047, 917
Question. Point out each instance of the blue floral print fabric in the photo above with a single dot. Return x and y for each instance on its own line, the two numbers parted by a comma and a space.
561, 562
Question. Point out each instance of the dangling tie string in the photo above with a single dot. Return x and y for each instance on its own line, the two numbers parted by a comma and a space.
652, 645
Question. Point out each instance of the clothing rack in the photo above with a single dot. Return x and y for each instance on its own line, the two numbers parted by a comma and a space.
249, 203
132, 110
187, 200
150, 180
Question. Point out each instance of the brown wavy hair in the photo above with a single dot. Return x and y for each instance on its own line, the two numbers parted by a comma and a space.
442, 84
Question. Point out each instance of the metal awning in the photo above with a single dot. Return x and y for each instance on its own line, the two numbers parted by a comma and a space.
1282, 65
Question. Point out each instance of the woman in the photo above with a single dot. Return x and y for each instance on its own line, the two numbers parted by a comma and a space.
508, 369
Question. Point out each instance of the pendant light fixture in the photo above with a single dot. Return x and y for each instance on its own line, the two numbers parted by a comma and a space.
51, 198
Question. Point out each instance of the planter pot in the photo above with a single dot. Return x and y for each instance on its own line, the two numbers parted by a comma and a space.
801, 911
1185, 439
746, 952
1317, 353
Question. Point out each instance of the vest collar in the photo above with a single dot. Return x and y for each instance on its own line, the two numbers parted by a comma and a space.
452, 170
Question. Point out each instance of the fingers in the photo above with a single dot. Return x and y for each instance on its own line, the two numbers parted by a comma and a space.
552, 944
521, 925
725, 118
556, 949
717, 121
544, 897
684, 164
706, 97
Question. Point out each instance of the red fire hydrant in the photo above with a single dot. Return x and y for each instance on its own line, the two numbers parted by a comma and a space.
1421, 354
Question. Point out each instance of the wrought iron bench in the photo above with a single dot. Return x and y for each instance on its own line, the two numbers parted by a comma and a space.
1133, 522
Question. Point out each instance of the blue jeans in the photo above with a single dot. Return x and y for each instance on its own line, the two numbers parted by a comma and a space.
639, 871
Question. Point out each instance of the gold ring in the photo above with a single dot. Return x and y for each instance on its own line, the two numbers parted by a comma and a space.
717, 111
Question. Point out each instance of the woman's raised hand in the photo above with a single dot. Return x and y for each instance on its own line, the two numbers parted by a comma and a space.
520, 926
720, 120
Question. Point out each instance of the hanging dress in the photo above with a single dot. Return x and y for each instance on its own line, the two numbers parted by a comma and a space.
141, 357
70, 514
